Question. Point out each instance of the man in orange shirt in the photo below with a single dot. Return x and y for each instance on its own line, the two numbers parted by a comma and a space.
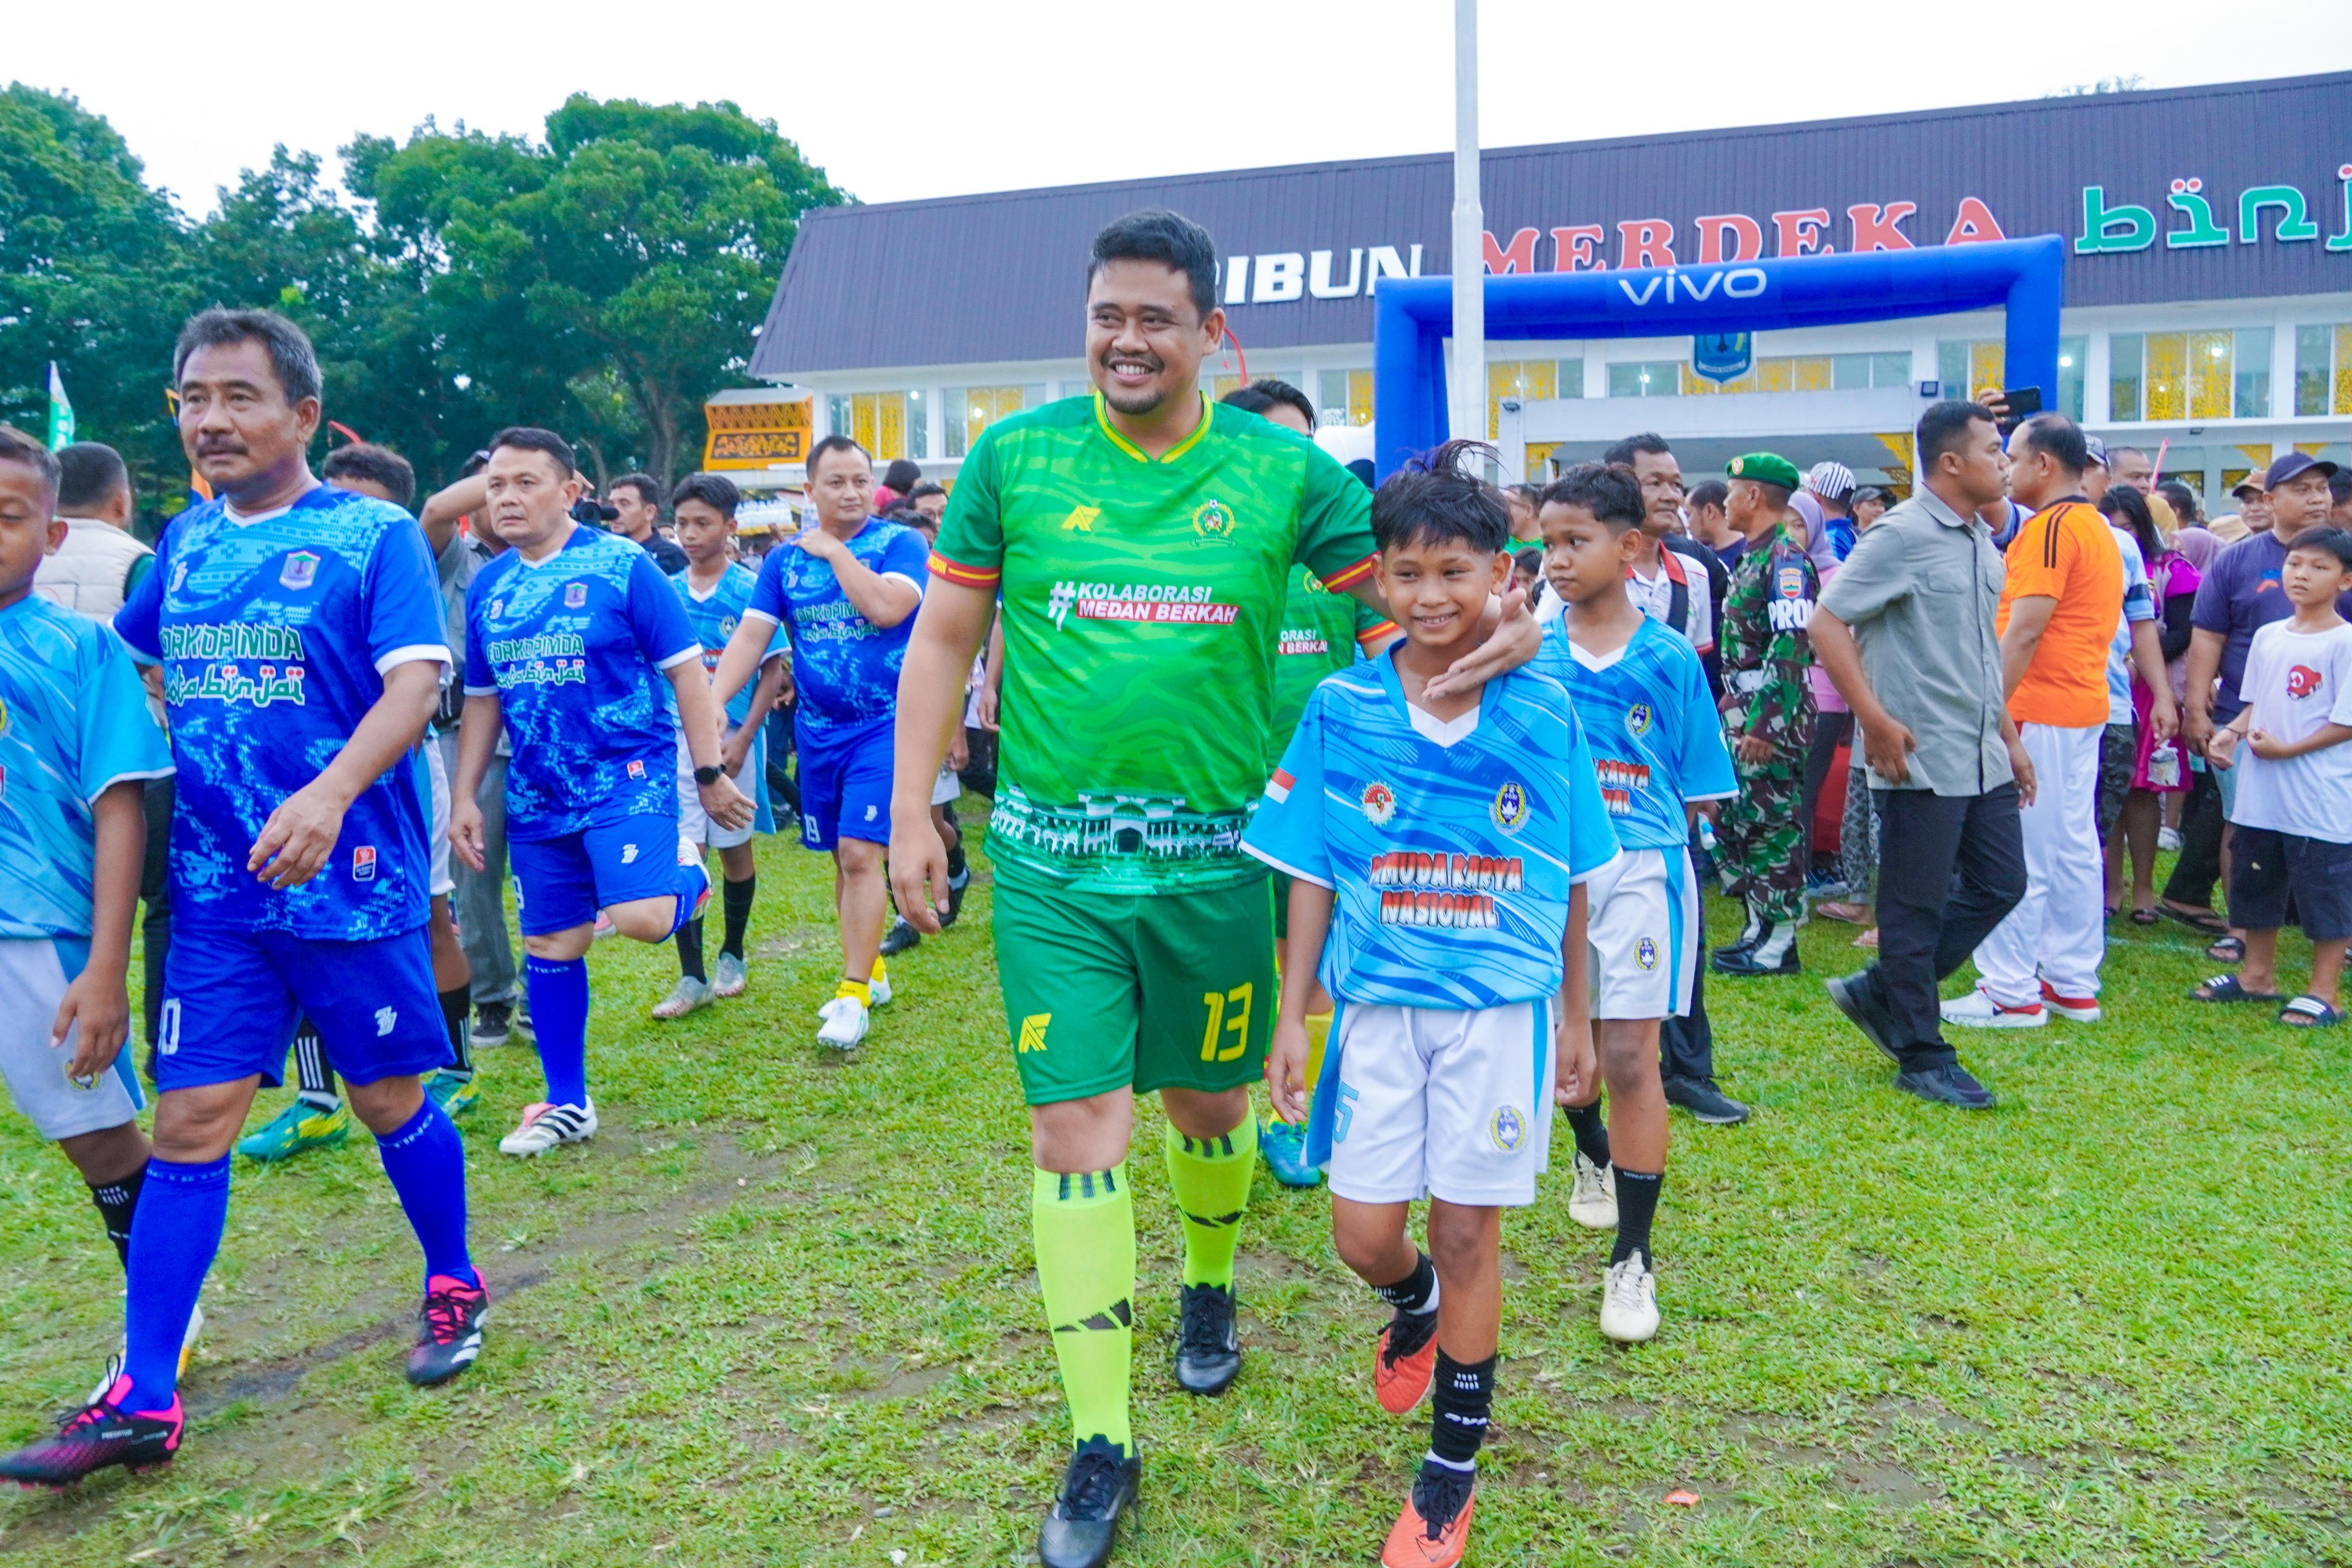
2060, 608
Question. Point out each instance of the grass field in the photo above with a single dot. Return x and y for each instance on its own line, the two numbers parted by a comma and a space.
783, 1310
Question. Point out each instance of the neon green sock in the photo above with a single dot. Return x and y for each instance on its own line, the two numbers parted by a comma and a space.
1083, 1230
1210, 1178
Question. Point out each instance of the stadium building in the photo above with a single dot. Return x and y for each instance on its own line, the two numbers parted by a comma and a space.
2209, 284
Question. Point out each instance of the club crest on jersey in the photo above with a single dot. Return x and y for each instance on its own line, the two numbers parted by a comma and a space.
364, 863
300, 571
4, 715
1380, 803
1645, 952
576, 595
726, 625
385, 1019
1508, 1129
1509, 811
1638, 719
637, 768
1213, 519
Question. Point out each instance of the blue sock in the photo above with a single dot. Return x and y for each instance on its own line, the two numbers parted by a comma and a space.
559, 1016
182, 1212
693, 886
426, 1162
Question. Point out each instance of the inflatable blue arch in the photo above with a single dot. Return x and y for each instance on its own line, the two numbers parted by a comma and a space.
1413, 315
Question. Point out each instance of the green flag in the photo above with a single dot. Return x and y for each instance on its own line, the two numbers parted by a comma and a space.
61, 419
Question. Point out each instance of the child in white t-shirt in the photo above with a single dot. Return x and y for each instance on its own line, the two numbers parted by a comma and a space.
2294, 808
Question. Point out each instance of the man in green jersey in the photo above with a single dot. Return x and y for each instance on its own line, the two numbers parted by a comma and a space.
1142, 539
1322, 631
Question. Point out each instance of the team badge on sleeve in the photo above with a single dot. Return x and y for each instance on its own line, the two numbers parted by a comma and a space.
1380, 803
1510, 808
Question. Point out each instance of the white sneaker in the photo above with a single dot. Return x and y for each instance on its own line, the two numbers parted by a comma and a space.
1978, 1010
845, 1023
603, 926
2073, 1010
684, 998
729, 977
545, 1126
114, 1363
2168, 839
1592, 1204
1629, 1303
877, 991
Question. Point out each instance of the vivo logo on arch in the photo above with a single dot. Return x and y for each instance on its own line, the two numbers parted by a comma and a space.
1736, 283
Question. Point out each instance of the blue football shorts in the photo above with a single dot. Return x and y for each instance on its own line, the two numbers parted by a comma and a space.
231, 999
562, 882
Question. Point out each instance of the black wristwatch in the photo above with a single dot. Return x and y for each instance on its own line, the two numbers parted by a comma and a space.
709, 776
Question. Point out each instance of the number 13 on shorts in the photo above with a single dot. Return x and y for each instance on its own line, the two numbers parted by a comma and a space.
1229, 1015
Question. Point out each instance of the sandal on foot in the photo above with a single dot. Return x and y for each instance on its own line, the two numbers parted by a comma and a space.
2225, 988
2205, 921
2145, 917
2308, 1012
2228, 950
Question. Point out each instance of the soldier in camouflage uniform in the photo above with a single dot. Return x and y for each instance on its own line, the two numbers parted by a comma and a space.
1767, 706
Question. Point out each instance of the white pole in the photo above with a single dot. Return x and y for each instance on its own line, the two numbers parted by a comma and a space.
1468, 384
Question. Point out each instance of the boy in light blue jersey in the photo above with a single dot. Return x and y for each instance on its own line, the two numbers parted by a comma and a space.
300, 641
714, 589
1438, 847
576, 643
77, 744
845, 591
1641, 697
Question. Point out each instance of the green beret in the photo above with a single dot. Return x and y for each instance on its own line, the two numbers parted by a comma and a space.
1765, 468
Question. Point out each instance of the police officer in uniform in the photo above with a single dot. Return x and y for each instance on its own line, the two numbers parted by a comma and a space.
1767, 706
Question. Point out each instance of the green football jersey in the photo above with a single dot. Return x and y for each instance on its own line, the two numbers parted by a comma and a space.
1142, 607
1322, 632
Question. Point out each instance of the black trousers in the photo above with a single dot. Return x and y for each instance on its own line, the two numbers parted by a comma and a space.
1830, 731
1687, 1045
1949, 869
2199, 866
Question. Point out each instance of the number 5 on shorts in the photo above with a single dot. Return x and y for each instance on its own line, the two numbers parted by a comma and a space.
1229, 1013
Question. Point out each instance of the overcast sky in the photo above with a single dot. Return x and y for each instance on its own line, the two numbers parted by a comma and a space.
902, 98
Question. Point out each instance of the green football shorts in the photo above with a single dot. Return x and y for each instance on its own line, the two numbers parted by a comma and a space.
1169, 991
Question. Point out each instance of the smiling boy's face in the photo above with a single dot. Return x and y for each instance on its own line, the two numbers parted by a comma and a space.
1438, 589
30, 527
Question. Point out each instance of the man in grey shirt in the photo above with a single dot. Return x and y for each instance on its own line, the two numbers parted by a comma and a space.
1906, 632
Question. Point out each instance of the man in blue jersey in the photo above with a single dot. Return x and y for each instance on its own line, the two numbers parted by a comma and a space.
1441, 845
714, 589
1649, 718
77, 747
299, 640
572, 638
845, 591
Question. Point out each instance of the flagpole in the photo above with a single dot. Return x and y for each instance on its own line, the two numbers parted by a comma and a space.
1469, 383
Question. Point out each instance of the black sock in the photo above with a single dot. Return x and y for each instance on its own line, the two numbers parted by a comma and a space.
1592, 1132
456, 1017
1416, 1291
736, 898
115, 1202
689, 950
955, 857
1637, 1202
312, 1077
1460, 1398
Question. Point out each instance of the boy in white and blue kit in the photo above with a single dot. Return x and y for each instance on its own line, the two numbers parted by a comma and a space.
77, 744
1641, 697
1438, 844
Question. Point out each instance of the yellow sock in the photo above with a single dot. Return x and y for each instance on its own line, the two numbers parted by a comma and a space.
853, 988
881, 967
1319, 1032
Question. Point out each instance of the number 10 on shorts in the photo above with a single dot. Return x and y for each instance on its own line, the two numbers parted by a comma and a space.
1229, 1013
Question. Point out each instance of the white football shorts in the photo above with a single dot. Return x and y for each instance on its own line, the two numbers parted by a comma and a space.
1642, 932
437, 816
694, 824
33, 977
1439, 1102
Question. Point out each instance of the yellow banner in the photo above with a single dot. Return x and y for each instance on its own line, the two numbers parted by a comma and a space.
755, 435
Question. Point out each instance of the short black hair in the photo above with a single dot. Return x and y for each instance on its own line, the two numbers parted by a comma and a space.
648, 488
903, 474
1173, 240
532, 438
927, 487
90, 473
1432, 500
1608, 490
1648, 441
366, 460
2336, 541
1265, 392
900, 512
830, 445
2059, 439
16, 446
291, 356
1944, 426
2125, 506
2182, 500
1709, 492
716, 491
2339, 486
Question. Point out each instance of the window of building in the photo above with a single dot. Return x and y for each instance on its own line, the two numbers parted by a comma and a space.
970, 410
1651, 378
2205, 374
2323, 369
1856, 372
1809, 372
886, 424
2072, 351
1967, 368
1530, 381
1344, 397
